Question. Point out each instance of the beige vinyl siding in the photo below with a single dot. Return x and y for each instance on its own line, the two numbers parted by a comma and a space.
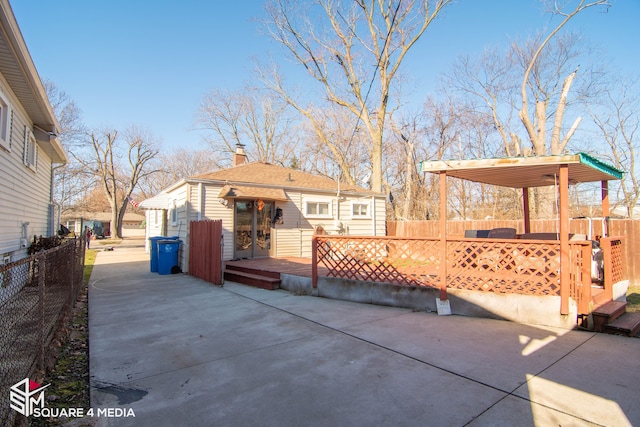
24, 192
293, 237
381, 216
371, 225
194, 202
287, 234
214, 210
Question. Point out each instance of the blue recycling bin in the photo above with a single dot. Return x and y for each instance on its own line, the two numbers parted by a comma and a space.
153, 250
168, 255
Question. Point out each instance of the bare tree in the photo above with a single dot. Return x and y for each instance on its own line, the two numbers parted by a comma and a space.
618, 120
249, 117
347, 47
535, 123
492, 82
118, 167
335, 149
70, 184
178, 164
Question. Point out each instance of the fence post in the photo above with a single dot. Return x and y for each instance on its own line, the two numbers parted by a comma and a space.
41, 260
314, 261
221, 257
72, 278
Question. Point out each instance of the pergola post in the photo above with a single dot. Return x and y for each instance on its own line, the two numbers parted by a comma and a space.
565, 275
443, 236
525, 210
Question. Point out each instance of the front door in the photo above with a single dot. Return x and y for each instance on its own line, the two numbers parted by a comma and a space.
253, 228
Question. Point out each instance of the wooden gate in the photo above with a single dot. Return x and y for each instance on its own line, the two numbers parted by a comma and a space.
205, 250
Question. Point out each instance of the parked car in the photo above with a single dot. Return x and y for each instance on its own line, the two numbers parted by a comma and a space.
96, 227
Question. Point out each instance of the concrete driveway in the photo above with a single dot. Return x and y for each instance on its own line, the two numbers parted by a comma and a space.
177, 351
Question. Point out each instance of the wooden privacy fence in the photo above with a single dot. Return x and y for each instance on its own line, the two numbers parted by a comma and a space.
630, 228
205, 250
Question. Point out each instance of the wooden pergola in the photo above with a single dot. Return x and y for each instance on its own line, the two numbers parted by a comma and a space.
525, 173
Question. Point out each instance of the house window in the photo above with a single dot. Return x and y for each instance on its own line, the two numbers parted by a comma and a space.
174, 213
360, 210
317, 209
30, 149
5, 123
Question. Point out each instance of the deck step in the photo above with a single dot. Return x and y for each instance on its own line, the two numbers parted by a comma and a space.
607, 313
256, 271
251, 279
628, 324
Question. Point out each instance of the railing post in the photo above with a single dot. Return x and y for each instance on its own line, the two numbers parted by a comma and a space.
605, 245
314, 261
585, 295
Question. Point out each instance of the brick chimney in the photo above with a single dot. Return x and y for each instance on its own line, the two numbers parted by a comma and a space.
239, 157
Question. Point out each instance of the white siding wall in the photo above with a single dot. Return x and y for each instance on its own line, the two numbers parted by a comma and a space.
24, 193
180, 227
156, 220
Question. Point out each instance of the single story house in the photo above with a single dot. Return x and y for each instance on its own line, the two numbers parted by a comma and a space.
266, 210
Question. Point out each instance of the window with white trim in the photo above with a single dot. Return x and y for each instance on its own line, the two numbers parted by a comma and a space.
317, 209
6, 116
360, 210
174, 213
30, 157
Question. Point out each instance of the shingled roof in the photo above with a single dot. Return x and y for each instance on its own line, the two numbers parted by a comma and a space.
266, 174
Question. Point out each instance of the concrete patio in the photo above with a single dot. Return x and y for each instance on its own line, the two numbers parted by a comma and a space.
179, 351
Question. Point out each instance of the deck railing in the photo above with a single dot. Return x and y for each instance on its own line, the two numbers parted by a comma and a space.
614, 271
528, 267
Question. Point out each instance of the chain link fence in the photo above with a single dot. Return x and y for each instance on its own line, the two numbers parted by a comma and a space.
36, 295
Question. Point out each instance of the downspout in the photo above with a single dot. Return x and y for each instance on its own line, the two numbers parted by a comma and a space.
51, 222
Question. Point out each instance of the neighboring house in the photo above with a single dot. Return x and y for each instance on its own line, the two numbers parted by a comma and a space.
622, 212
29, 148
132, 223
266, 210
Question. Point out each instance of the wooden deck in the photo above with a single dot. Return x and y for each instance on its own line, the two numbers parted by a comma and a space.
291, 265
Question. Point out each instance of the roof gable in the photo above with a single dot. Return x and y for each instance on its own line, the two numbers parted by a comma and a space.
266, 174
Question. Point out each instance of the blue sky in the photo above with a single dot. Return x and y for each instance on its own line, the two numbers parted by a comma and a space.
149, 63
